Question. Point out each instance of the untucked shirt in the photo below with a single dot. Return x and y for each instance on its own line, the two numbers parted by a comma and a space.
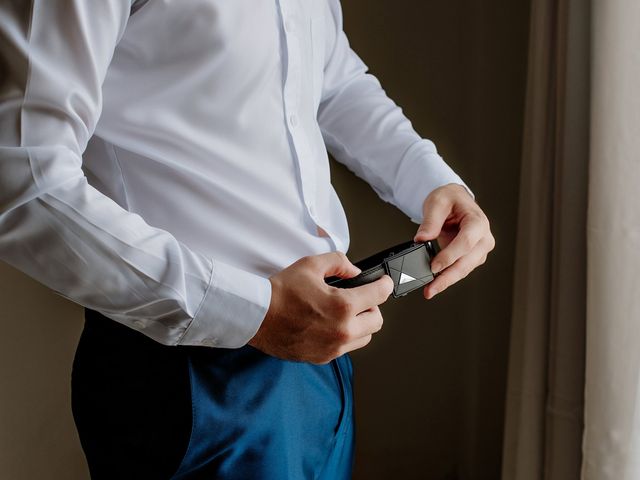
159, 166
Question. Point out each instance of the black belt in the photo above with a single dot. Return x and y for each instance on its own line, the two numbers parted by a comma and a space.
408, 264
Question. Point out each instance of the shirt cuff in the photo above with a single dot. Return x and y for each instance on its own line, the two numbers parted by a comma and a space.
233, 308
422, 171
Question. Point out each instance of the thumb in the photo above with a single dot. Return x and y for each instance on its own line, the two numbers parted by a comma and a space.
435, 214
337, 263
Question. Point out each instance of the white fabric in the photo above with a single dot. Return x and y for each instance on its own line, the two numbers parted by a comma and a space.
612, 414
159, 167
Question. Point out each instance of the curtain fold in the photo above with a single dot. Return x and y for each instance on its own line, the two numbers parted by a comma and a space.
612, 416
544, 415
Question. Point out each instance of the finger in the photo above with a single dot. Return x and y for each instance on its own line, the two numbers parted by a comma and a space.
370, 295
365, 323
333, 263
372, 318
436, 210
456, 272
472, 230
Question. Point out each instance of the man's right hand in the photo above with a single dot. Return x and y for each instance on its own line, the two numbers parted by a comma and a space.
309, 321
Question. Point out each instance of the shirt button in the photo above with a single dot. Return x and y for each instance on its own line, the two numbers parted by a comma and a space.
209, 342
288, 25
293, 120
139, 323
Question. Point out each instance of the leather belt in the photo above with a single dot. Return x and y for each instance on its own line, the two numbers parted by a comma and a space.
408, 264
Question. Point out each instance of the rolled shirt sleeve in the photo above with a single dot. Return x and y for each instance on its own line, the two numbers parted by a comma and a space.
57, 228
368, 132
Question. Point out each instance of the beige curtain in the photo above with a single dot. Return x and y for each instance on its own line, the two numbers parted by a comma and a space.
612, 417
544, 418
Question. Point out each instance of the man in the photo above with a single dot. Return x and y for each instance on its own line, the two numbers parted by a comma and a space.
164, 164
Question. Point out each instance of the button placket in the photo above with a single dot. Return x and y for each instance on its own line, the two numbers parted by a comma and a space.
292, 92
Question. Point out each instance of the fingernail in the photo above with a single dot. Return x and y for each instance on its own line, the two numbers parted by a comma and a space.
435, 267
432, 293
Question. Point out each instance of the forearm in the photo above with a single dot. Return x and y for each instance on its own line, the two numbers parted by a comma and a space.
60, 230
368, 133
364, 129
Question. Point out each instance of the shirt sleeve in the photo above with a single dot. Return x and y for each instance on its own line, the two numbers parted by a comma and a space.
64, 233
368, 132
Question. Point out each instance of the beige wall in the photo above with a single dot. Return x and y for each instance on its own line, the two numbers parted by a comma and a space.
39, 334
430, 388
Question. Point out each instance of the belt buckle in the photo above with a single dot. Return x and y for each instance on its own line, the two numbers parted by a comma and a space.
410, 269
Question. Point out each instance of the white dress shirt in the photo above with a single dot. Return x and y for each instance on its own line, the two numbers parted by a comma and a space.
159, 166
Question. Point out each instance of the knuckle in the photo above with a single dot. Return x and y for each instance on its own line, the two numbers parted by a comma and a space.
446, 259
478, 214
343, 334
379, 323
486, 225
468, 241
310, 261
341, 257
492, 242
342, 307
479, 219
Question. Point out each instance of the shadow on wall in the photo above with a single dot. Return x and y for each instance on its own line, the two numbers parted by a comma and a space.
430, 388
40, 331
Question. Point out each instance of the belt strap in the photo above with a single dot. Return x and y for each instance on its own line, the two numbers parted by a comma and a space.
408, 264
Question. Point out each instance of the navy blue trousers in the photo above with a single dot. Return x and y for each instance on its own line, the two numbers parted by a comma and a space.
148, 411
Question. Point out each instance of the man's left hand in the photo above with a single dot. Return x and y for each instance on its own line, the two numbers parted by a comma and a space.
453, 217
